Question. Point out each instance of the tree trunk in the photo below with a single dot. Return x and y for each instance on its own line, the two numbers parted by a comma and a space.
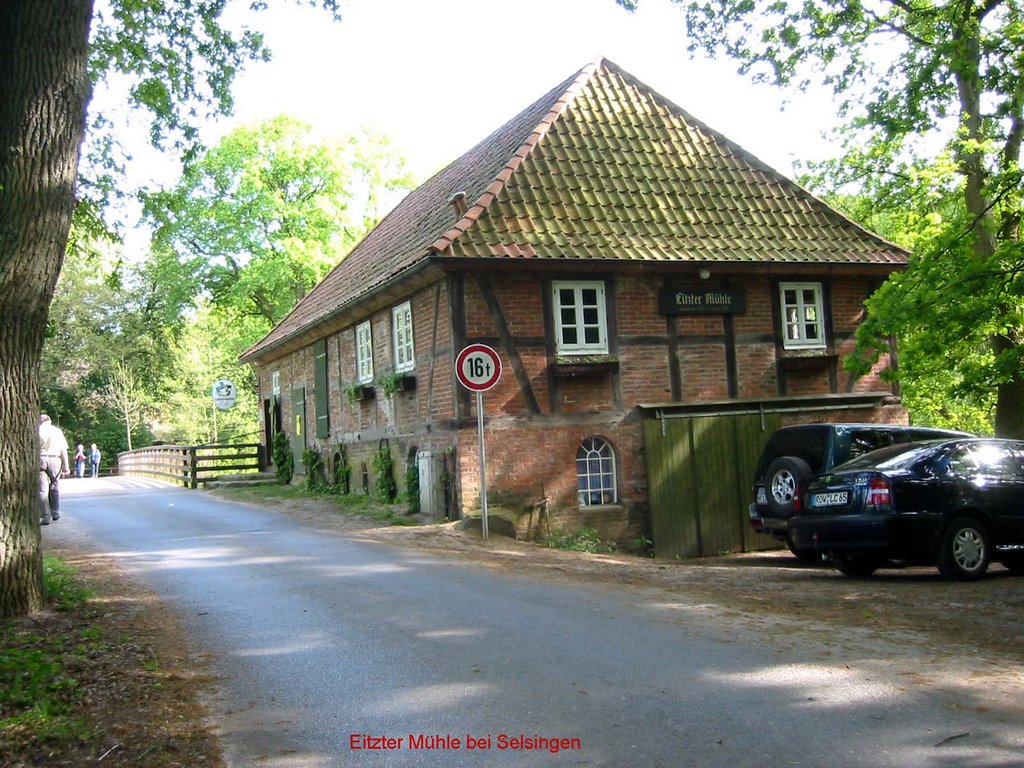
985, 229
128, 428
43, 97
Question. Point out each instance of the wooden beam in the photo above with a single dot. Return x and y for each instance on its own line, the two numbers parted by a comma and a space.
508, 343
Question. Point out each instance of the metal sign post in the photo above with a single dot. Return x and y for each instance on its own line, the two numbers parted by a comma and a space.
483, 462
478, 368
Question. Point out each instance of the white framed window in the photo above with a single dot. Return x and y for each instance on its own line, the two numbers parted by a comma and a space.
581, 326
803, 320
595, 472
275, 383
364, 353
401, 323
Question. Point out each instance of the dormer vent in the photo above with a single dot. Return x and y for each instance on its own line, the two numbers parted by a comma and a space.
459, 205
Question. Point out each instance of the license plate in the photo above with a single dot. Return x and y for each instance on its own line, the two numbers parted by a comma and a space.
762, 495
834, 499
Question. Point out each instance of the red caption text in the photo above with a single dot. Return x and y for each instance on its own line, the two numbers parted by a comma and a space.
436, 741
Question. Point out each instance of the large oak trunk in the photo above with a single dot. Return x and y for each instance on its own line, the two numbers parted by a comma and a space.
43, 97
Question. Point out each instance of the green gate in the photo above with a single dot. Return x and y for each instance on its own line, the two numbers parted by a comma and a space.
700, 470
298, 436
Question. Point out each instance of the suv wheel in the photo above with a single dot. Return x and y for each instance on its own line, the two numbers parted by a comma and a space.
785, 476
965, 550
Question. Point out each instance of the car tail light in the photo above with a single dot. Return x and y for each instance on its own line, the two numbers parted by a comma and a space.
879, 493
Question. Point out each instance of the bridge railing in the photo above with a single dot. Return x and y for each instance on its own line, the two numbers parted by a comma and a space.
192, 464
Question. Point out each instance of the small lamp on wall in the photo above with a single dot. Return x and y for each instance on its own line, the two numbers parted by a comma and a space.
704, 273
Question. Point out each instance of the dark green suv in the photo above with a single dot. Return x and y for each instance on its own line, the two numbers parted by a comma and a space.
794, 455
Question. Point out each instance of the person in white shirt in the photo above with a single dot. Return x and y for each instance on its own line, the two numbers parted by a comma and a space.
53, 463
94, 460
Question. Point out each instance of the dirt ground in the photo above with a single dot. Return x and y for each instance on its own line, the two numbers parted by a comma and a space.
146, 691
137, 698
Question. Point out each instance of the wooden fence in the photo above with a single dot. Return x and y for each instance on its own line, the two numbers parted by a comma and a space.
192, 464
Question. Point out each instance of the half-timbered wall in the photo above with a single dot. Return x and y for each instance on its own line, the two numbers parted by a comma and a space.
547, 404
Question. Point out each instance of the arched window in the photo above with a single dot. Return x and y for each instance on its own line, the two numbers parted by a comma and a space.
595, 472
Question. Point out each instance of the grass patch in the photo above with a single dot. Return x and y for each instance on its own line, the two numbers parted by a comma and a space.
353, 504
63, 587
85, 683
39, 697
585, 540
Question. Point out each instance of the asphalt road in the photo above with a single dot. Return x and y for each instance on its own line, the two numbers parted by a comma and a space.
333, 651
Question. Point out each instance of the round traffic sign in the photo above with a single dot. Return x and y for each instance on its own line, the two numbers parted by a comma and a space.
478, 367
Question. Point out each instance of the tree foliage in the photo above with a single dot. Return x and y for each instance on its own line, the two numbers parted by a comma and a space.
175, 63
178, 320
924, 88
943, 366
259, 219
204, 351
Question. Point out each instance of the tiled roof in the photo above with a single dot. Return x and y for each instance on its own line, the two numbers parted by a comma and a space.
600, 168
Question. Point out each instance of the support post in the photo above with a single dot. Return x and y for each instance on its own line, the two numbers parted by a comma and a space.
483, 463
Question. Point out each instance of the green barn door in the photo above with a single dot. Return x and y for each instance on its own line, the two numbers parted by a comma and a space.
674, 515
700, 469
717, 483
298, 437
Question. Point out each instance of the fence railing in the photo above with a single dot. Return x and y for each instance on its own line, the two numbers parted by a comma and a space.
192, 464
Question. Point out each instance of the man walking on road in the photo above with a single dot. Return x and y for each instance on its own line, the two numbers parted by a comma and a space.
53, 462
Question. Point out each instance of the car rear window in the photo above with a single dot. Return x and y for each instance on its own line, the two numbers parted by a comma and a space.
809, 444
992, 459
856, 442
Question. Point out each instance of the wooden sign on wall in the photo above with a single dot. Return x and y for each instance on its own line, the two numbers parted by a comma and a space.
706, 302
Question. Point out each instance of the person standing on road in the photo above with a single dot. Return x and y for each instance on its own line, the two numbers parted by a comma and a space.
94, 460
53, 462
80, 461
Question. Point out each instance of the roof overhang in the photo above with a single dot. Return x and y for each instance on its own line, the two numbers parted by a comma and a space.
840, 402
391, 291
669, 268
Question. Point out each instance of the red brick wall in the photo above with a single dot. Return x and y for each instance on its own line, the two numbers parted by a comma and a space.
643, 372
757, 319
530, 465
755, 365
887, 414
703, 371
637, 303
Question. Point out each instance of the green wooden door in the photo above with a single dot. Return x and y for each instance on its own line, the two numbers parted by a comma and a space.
700, 470
298, 436
670, 480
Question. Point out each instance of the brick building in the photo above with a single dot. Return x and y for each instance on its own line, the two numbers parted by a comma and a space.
628, 264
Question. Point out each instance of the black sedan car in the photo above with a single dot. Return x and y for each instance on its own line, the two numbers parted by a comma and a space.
956, 503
